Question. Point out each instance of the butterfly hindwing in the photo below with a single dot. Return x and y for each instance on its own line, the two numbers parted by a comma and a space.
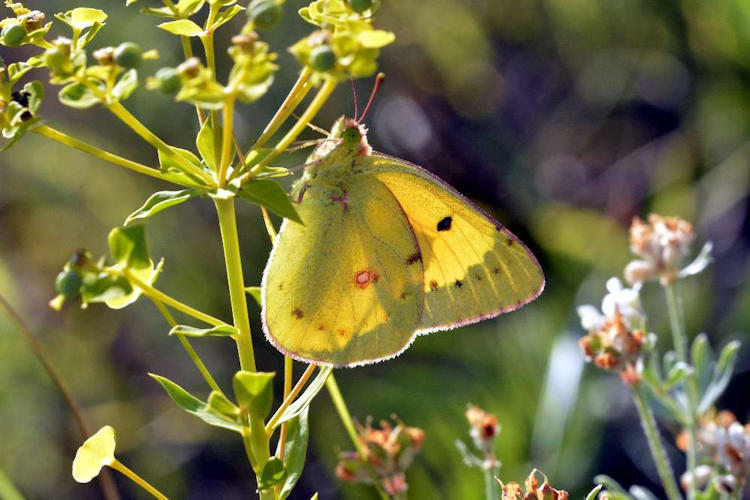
346, 287
473, 267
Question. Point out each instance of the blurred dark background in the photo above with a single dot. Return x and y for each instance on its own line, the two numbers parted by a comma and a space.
563, 118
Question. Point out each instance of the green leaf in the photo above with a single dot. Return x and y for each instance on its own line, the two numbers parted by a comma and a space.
217, 331
147, 275
255, 293
129, 2
194, 406
172, 169
269, 194
220, 405
295, 450
84, 17
128, 247
103, 287
702, 358
254, 392
77, 95
161, 201
677, 374
273, 473
182, 27
303, 401
206, 146
721, 376
189, 7
226, 15
375, 39
126, 85
96, 452
592, 494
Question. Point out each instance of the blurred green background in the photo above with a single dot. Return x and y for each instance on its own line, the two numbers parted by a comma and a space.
563, 118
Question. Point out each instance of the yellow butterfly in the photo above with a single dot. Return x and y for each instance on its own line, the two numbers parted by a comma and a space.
387, 252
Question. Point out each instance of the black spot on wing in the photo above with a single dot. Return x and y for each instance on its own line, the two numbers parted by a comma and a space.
413, 259
297, 313
433, 285
458, 284
445, 224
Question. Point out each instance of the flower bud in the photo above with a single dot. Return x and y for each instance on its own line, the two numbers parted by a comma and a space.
322, 58
264, 13
128, 55
13, 34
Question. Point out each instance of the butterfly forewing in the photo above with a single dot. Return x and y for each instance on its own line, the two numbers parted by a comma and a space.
473, 267
346, 287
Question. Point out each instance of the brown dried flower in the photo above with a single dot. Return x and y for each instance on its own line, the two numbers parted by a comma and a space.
389, 451
614, 347
662, 243
534, 491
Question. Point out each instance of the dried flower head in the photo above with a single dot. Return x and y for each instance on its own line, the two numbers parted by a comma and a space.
534, 490
662, 243
389, 451
726, 443
615, 337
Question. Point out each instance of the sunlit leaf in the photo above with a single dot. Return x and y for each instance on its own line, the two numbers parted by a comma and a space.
216, 331
78, 95
126, 85
255, 293
254, 392
303, 401
295, 451
270, 195
160, 201
721, 376
194, 406
96, 452
182, 27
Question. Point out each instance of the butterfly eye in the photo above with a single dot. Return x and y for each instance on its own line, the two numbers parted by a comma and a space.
351, 136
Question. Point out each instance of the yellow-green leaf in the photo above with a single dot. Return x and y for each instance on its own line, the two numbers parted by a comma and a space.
83, 17
95, 453
182, 27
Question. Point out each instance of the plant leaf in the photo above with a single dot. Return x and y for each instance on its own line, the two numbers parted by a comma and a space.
702, 358
255, 293
205, 144
217, 331
269, 194
193, 405
592, 494
677, 374
254, 392
84, 17
721, 376
76, 95
182, 27
226, 15
126, 85
609, 483
161, 201
303, 401
96, 452
295, 451
273, 473
128, 246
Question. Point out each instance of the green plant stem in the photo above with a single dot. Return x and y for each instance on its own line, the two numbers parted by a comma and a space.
109, 489
679, 337
648, 423
346, 420
236, 281
491, 487
288, 376
298, 92
226, 140
8, 490
126, 117
320, 99
63, 138
197, 361
118, 466
159, 296
288, 400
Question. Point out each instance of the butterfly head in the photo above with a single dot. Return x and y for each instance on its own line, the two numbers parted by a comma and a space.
346, 141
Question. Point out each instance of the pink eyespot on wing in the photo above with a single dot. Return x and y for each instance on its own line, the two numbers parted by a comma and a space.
364, 278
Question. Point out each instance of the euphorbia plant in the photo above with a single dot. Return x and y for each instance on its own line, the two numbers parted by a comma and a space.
221, 169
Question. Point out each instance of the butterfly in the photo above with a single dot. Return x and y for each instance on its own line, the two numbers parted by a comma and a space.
386, 252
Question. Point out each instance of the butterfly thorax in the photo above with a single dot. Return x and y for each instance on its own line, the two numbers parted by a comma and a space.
332, 160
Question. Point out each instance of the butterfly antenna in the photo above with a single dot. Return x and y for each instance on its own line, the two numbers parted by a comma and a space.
313, 126
378, 80
356, 100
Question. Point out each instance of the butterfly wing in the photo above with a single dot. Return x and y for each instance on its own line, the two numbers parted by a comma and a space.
473, 267
345, 288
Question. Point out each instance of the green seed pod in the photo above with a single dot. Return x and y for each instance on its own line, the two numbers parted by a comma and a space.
55, 59
128, 55
13, 34
359, 6
264, 13
322, 58
169, 80
68, 284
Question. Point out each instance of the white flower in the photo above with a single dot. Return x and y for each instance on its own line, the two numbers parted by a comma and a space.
619, 298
